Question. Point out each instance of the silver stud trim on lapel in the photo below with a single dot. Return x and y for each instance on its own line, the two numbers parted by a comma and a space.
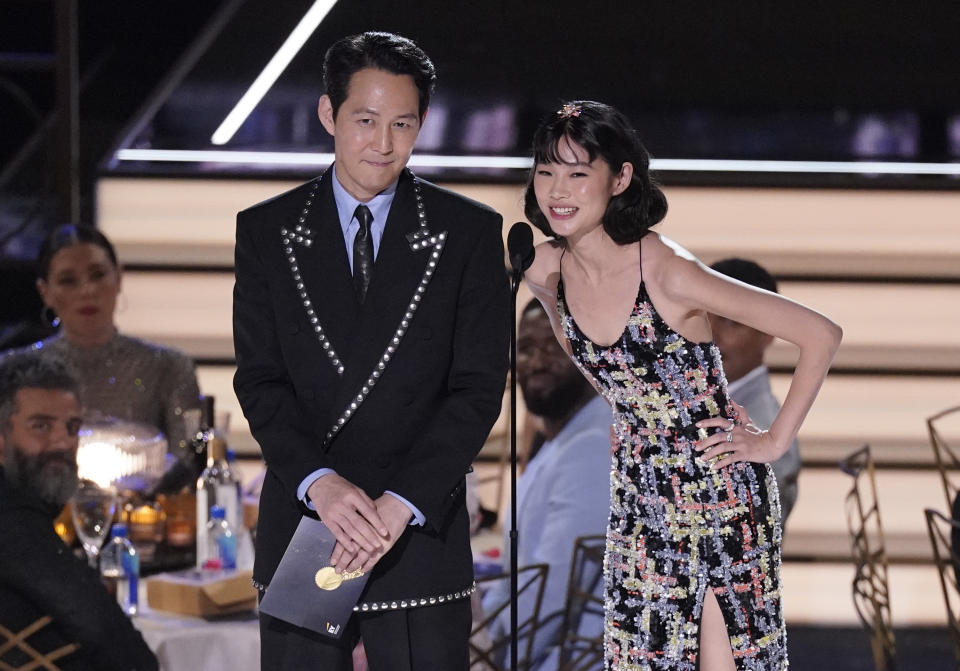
391, 348
422, 238
301, 234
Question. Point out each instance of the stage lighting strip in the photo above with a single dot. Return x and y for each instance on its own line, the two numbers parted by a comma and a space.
276, 158
273, 69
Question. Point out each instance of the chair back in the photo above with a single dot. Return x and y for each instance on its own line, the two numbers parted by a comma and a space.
17, 654
492, 654
944, 534
944, 430
577, 651
871, 583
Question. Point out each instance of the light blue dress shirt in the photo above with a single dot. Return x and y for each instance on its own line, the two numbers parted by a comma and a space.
380, 209
563, 494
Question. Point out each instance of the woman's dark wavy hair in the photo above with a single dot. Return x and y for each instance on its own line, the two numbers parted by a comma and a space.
603, 132
69, 235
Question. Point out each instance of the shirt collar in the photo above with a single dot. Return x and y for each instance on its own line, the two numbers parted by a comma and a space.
379, 205
736, 385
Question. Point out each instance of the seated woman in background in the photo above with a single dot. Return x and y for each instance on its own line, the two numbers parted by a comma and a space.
122, 377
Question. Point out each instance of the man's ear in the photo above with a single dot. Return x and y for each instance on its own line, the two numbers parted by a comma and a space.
325, 113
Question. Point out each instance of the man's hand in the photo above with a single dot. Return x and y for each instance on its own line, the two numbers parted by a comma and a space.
349, 513
397, 516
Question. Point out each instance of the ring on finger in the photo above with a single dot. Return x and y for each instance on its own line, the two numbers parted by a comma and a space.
729, 437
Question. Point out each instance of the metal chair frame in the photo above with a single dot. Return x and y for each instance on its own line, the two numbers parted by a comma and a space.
10, 641
871, 583
947, 459
529, 578
945, 557
583, 653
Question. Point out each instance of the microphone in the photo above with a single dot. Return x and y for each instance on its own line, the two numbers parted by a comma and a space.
520, 247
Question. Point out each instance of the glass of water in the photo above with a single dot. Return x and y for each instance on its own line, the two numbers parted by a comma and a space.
93, 507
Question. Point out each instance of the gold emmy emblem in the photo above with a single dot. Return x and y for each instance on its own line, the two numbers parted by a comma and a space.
327, 578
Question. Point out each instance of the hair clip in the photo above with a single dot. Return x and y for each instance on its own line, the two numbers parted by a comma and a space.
568, 110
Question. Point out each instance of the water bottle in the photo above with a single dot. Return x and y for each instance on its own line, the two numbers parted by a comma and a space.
120, 569
221, 541
217, 485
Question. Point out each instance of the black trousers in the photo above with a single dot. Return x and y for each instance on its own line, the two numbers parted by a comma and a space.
431, 638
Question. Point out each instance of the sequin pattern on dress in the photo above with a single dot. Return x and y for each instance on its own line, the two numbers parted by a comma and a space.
678, 527
134, 380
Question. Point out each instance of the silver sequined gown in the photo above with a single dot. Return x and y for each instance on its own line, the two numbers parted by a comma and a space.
678, 528
134, 380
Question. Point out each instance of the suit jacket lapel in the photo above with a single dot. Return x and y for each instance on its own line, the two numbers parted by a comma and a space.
396, 274
401, 274
321, 261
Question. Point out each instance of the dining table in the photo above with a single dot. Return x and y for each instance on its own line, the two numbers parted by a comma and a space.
186, 643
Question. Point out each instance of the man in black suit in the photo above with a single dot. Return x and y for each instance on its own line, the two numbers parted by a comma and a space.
39, 576
371, 332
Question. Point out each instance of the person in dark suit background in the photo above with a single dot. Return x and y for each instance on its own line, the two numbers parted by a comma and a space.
748, 378
371, 325
39, 576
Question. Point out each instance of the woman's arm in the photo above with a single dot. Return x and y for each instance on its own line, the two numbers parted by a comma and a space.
690, 283
542, 278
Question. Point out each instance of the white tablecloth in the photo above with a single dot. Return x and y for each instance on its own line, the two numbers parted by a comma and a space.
184, 643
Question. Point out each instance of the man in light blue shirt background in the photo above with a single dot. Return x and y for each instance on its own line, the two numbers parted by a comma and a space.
564, 493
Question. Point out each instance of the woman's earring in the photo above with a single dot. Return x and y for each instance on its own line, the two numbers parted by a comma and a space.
48, 316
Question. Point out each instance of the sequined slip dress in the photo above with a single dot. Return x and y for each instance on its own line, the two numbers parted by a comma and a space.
677, 527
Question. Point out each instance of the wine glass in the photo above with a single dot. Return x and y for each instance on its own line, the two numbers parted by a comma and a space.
93, 507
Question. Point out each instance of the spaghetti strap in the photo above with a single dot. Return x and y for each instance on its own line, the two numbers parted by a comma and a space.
640, 247
560, 291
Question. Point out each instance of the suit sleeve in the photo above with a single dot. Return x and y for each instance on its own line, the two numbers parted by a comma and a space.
432, 473
54, 582
262, 383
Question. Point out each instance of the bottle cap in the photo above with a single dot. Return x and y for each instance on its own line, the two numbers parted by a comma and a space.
119, 530
217, 513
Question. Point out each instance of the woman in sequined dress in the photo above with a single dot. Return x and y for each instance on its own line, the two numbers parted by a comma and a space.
79, 280
693, 543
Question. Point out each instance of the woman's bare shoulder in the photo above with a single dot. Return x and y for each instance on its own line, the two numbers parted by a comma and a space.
660, 254
543, 274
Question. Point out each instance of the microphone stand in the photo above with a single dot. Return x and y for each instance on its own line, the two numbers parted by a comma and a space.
517, 275
520, 247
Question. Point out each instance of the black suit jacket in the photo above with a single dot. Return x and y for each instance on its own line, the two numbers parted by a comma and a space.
40, 576
423, 361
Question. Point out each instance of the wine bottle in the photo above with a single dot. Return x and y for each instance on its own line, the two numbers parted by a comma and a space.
217, 485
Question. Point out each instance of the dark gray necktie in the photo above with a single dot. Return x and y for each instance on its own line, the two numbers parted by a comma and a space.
362, 252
